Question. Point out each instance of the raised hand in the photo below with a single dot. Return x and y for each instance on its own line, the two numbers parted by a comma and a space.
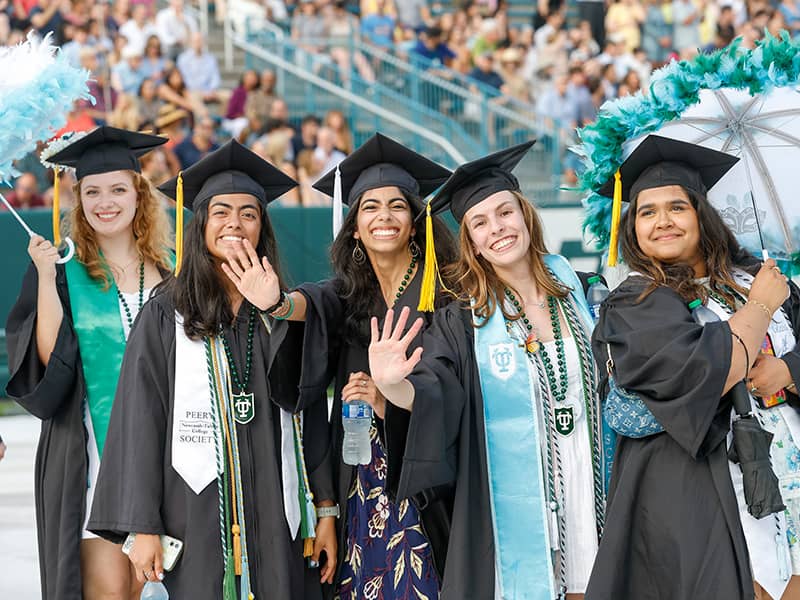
388, 360
253, 277
769, 286
44, 255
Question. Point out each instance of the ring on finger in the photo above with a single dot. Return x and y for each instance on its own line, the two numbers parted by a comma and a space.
363, 383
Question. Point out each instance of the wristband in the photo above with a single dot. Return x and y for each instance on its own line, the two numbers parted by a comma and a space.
284, 314
277, 305
746, 353
328, 511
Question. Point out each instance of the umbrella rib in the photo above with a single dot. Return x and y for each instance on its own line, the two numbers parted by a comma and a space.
787, 112
772, 192
777, 133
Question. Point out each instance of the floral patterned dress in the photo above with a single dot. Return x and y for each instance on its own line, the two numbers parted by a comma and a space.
388, 556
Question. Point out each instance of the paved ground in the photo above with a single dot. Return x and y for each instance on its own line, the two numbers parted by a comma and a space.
19, 573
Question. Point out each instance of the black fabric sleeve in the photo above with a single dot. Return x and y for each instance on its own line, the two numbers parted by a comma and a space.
792, 358
676, 366
38, 389
129, 489
430, 456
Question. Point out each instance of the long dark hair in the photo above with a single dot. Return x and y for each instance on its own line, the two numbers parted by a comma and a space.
197, 292
718, 247
358, 284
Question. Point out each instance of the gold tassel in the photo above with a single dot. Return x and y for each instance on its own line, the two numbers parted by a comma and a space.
427, 293
237, 550
179, 224
616, 214
308, 547
56, 208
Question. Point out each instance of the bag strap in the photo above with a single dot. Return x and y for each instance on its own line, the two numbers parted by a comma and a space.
609, 362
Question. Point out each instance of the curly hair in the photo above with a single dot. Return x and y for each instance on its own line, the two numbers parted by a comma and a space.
477, 280
151, 230
718, 247
359, 286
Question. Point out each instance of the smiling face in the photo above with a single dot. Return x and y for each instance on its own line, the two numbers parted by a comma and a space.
666, 226
109, 202
232, 218
497, 230
384, 223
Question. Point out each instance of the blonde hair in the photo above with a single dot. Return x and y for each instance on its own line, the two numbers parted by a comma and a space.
151, 230
477, 280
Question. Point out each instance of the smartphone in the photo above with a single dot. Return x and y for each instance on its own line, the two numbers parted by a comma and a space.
172, 548
775, 399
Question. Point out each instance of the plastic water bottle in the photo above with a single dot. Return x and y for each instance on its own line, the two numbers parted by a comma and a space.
702, 314
154, 590
356, 420
596, 295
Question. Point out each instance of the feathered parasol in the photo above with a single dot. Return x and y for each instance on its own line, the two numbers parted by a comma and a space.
37, 90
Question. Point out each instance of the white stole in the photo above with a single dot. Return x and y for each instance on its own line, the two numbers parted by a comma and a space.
194, 435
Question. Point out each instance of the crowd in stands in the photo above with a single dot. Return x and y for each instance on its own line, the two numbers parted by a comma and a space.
151, 69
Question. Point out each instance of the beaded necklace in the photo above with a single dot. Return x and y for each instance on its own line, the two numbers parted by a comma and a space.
243, 402
406, 278
555, 389
128, 315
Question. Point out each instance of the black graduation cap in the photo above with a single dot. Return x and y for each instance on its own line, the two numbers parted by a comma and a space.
106, 149
475, 181
660, 161
381, 162
230, 169
657, 162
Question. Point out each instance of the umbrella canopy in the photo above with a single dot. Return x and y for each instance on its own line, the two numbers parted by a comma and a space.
742, 102
763, 131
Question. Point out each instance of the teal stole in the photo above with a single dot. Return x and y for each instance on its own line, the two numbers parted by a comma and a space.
520, 511
101, 341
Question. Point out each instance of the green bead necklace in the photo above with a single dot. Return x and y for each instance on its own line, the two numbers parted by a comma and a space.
406, 278
237, 382
558, 386
128, 315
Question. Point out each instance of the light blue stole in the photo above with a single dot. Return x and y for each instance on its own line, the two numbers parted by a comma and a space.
514, 452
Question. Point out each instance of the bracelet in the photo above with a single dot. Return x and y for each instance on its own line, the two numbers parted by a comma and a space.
284, 314
277, 305
762, 306
792, 387
746, 353
328, 511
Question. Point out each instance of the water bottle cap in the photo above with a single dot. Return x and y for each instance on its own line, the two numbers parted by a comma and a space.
594, 279
695, 303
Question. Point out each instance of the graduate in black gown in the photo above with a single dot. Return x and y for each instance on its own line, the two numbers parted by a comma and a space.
66, 337
501, 400
378, 260
203, 444
673, 528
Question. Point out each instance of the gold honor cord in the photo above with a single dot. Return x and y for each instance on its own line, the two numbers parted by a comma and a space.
616, 215
179, 223
235, 529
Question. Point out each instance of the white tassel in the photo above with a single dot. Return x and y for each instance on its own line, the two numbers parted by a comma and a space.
337, 202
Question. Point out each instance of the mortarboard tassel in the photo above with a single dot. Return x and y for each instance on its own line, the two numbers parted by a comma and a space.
337, 202
179, 223
237, 549
56, 208
616, 213
427, 292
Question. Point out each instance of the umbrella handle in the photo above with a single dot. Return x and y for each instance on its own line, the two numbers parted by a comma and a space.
70, 251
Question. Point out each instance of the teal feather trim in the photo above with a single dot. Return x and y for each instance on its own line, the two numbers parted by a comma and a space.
775, 62
38, 90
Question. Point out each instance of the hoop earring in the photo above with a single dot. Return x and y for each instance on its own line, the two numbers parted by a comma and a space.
414, 248
358, 254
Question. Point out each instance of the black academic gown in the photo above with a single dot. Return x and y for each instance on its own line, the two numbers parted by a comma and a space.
336, 359
672, 526
445, 447
138, 490
55, 395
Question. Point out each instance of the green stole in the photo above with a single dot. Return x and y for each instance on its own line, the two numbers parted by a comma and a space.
101, 341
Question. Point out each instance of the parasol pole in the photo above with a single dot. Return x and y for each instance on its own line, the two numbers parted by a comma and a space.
764, 251
31, 232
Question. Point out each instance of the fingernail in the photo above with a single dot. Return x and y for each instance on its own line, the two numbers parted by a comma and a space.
161, 576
